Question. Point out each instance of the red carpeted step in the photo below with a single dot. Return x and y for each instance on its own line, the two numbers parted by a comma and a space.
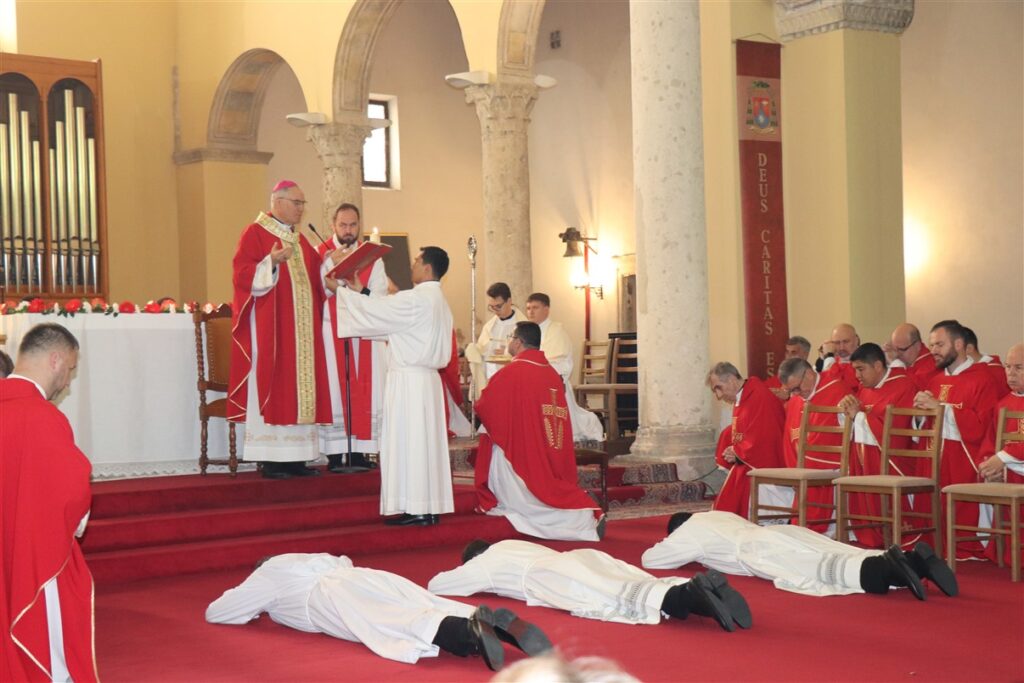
190, 492
167, 560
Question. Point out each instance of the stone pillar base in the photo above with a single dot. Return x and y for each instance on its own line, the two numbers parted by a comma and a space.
691, 449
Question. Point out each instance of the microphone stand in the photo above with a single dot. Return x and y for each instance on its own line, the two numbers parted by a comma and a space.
471, 246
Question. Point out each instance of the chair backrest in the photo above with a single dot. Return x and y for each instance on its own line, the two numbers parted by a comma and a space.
1004, 435
213, 348
929, 440
809, 427
625, 360
595, 367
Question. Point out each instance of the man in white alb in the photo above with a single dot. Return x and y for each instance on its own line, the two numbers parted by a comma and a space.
590, 584
394, 617
794, 558
365, 377
415, 471
494, 337
557, 347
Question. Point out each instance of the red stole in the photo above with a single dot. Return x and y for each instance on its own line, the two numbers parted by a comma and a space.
998, 374
290, 372
450, 382
756, 436
361, 374
524, 410
44, 493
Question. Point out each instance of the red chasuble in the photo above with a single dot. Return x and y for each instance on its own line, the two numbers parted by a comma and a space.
897, 390
833, 386
921, 370
44, 480
450, 382
361, 373
997, 372
523, 408
290, 368
973, 398
756, 436
1012, 402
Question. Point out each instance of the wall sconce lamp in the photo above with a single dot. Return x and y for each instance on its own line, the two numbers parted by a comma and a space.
577, 245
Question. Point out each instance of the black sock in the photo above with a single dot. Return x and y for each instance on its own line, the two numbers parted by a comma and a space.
678, 602
875, 575
453, 636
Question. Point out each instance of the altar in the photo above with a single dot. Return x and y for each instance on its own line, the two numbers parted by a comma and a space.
133, 403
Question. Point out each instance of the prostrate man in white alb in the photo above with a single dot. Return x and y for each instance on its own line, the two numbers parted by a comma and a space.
365, 376
590, 584
526, 462
557, 347
794, 558
394, 617
415, 471
494, 337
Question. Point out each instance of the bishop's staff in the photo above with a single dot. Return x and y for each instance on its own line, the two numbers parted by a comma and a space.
471, 248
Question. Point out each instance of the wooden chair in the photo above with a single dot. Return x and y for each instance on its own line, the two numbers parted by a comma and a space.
801, 478
594, 365
892, 487
999, 496
589, 456
213, 365
622, 350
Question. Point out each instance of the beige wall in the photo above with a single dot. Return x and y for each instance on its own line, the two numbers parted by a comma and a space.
581, 157
440, 200
964, 168
136, 42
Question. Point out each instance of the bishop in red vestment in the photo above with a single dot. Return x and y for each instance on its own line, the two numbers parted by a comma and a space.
276, 318
969, 398
44, 498
526, 463
879, 389
755, 435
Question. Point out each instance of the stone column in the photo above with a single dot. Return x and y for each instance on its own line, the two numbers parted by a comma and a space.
340, 147
504, 111
671, 244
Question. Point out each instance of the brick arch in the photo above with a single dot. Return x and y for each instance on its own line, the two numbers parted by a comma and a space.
517, 37
354, 58
235, 115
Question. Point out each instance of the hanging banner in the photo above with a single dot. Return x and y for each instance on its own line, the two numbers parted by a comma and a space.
759, 102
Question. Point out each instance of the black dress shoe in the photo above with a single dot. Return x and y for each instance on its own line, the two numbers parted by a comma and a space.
274, 470
736, 603
336, 464
929, 566
412, 520
705, 603
484, 640
901, 573
299, 469
360, 460
520, 633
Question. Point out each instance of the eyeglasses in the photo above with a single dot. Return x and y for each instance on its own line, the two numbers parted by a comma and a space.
301, 203
904, 349
496, 307
793, 390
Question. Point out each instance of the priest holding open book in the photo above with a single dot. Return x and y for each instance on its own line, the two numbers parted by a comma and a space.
414, 468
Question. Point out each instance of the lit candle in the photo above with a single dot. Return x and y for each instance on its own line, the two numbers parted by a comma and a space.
375, 235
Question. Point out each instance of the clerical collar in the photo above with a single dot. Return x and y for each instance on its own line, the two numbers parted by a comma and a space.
963, 366
884, 379
739, 393
284, 225
510, 315
28, 379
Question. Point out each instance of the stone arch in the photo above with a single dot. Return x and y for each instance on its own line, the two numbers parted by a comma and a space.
517, 37
354, 57
235, 115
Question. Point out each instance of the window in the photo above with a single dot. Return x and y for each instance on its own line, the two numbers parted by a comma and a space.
380, 151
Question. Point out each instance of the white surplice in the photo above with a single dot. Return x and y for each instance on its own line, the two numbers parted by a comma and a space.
587, 583
414, 468
794, 558
493, 339
334, 438
320, 593
557, 348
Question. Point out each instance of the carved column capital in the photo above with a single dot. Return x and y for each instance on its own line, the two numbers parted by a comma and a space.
338, 143
799, 18
503, 107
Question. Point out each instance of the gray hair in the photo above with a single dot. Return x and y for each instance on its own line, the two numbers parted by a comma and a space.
793, 366
722, 369
802, 342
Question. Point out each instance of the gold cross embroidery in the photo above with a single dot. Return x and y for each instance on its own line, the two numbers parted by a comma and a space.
554, 420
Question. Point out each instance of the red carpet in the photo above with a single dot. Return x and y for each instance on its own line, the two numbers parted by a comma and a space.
153, 630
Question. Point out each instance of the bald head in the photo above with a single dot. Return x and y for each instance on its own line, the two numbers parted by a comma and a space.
1014, 363
906, 343
845, 340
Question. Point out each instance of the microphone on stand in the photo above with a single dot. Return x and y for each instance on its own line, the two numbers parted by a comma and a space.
322, 240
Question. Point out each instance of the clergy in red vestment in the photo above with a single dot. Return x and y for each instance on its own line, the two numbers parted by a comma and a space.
879, 389
755, 433
990, 364
451, 380
796, 347
837, 348
278, 368
907, 354
361, 388
526, 463
47, 602
969, 399
824, 389
1008, 463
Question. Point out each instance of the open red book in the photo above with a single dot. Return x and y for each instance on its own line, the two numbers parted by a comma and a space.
365, 254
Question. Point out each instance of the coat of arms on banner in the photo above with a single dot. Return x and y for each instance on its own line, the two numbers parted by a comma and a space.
762, 111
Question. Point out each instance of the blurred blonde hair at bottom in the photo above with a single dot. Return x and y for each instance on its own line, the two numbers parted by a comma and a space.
554, 669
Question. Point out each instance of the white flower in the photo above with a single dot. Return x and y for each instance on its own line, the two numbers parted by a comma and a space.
22, 305
86, 306
186, 308
56, 308
207, 308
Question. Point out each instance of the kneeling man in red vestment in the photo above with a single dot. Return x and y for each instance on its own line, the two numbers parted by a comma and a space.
526, 463
46, 607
